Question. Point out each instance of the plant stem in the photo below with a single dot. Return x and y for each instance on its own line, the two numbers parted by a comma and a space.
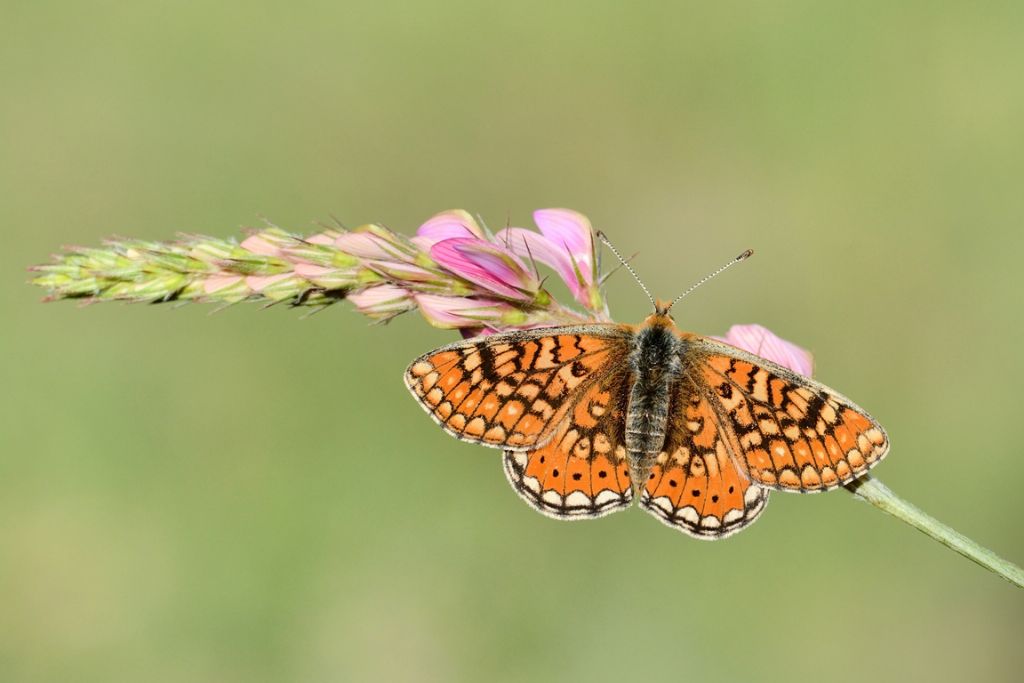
875, 492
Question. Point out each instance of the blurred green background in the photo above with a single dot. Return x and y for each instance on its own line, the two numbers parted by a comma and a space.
254, 497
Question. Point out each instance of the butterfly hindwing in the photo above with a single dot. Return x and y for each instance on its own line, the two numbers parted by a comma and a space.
581, 472
514, 390
696, 485
788, 432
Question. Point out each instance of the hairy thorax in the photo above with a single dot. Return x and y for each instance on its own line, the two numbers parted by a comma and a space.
655, 364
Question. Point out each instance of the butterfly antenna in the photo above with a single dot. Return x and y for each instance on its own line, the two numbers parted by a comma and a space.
604, 238
742, 257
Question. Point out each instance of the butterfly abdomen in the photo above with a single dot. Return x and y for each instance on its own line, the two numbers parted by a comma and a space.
654, 362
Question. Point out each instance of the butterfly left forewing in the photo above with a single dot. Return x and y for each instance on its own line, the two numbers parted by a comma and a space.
514, 390
788, 431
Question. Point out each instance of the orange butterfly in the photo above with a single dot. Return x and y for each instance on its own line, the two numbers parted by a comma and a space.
591, 415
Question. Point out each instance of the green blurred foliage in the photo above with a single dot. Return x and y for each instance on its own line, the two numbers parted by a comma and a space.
253, 497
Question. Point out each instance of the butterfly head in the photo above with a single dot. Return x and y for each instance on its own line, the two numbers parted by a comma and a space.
661, 315
662, 308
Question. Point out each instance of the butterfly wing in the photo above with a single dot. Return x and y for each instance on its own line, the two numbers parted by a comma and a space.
514, 390
581, 472
784, 431
696, 485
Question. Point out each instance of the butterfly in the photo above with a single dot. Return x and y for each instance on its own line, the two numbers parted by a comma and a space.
591, 416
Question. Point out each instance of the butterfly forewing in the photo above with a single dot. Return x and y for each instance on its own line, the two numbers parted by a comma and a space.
515, 390
787, 431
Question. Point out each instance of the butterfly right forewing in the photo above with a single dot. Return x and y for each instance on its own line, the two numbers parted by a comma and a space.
788, 431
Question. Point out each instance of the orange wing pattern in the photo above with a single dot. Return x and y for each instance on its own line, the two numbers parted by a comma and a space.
695, 485
582, 471
786, 431
514, 390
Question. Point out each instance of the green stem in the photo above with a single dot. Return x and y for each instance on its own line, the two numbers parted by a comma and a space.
875, 492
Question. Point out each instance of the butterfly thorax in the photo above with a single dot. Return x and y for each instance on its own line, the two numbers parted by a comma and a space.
655, 364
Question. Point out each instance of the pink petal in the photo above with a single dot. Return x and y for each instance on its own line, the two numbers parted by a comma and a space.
529, 244
486, 265
382, 299
763, 342
321, 239
571, 231
372, 295
364, 245
259, 282
309, 270
402, 271
457, 311
259, 245
219, 282
567, 227
446, 225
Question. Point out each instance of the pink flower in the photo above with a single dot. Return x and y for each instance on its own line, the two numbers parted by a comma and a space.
762, 342
489, 266
458, 311
566, 244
